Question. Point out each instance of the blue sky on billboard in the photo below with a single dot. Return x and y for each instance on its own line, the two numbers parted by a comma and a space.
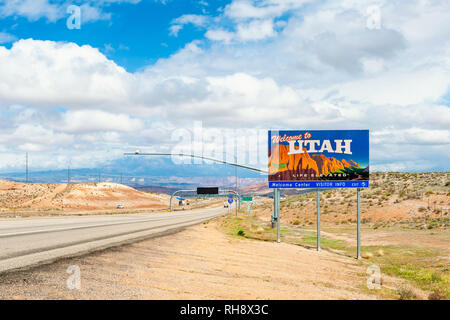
135, 71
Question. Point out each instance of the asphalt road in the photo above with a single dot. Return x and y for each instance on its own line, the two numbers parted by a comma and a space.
28, 242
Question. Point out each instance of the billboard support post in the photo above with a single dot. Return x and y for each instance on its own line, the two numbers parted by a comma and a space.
318, 220
359, 223
274, 213
278, 214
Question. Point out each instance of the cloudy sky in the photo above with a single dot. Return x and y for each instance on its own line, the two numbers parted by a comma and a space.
136, 71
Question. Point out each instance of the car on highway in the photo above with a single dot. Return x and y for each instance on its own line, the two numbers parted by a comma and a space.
120, 206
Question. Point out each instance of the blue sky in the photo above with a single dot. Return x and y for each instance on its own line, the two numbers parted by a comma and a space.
144, 74
135, 35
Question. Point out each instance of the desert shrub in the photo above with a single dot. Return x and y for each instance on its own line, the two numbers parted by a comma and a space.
437, 295
422, 209
241, 233
429, 192
433, 224
436, 278
367, 255
296, 222
405, 293
366, 220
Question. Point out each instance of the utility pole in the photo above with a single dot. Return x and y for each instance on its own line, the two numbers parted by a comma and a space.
121, 178
235, 172
26, 167
68, 174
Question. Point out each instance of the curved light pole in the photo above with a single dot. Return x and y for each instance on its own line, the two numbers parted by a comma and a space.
178, 191
238, 196
137, 153
275, 192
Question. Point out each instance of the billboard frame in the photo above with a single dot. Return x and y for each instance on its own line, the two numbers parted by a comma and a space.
323, 164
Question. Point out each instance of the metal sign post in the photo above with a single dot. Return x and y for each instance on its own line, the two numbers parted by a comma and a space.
274, 216
359, 223
230, 201
318, 220
278, 214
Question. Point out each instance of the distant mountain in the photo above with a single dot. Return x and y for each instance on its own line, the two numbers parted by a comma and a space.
156, 189
145, 171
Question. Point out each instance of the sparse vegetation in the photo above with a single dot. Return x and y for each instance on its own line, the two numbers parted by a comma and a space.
437, 295
413, 205
406, 293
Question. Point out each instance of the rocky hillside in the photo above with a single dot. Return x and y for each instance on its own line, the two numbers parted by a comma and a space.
76, 196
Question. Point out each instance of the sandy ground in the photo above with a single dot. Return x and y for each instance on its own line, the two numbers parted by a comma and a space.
201, 262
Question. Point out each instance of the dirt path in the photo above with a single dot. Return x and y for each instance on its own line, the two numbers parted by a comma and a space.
198, 263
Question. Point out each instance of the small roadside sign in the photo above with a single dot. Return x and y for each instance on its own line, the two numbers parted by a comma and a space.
249, 206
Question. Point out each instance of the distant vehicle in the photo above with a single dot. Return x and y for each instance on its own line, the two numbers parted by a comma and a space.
120, 206
225, 204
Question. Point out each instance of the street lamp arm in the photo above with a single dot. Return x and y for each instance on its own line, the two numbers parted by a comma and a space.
196, 156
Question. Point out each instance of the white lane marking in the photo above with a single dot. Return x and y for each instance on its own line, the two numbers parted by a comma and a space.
3, 235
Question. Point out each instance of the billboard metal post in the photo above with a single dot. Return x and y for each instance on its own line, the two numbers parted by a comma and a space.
359, 223
318, 220
278, 215
274, 213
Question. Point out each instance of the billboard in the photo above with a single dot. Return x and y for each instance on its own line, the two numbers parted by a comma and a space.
318, 159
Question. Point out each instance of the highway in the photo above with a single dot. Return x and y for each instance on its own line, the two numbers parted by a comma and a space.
27, 242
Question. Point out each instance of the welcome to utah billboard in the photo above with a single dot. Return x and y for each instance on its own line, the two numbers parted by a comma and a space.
319, 159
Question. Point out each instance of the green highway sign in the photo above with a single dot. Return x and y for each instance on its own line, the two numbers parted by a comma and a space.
247, 199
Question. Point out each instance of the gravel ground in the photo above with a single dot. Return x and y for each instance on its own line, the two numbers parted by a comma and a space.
200, 262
